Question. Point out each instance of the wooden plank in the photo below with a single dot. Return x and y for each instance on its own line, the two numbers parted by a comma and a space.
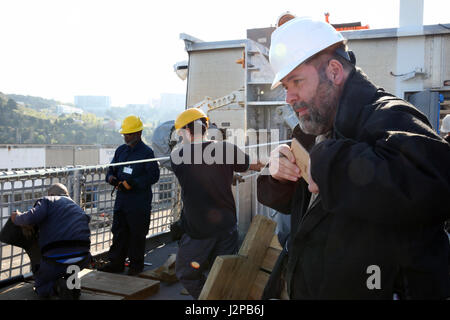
165, 273
24, 291
230, 278
275, 243
160, 275
91, 295
258, 239
270, 259
301, 157
239, 277
258, 286
19, 291
131, 288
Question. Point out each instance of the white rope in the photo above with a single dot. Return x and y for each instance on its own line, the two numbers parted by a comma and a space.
27, 173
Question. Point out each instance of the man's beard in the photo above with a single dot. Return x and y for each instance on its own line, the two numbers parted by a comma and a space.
321, 109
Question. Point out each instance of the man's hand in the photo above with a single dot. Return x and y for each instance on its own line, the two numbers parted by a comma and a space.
257, 166
13, 215
113, 181
125, 185
282, 165
28, 232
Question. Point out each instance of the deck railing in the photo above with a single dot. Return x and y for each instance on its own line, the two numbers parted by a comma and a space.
19, 190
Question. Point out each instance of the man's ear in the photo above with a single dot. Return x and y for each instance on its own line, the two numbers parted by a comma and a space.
335, 72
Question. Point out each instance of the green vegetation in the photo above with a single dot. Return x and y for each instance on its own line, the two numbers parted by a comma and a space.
36, 122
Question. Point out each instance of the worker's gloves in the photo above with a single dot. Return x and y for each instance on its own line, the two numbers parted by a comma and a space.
114, 181
237, 178
125, 185
29, 232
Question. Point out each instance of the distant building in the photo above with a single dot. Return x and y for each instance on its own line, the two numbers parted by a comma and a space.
172, 101
138, 106
93, 104
62, 109
24, 157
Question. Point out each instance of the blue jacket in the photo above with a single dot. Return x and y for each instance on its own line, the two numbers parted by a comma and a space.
140, 176
59, 218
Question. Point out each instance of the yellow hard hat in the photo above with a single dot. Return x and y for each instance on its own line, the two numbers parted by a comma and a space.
189, 115
131, 124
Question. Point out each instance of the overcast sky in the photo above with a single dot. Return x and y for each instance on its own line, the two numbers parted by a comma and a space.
126, 49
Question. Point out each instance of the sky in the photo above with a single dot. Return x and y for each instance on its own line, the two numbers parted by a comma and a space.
126, 49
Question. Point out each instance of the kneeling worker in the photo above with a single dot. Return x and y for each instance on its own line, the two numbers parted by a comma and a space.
205, 172
64, 240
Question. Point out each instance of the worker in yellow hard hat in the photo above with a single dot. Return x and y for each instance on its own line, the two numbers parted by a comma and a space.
368, 222
132, 206
205, 169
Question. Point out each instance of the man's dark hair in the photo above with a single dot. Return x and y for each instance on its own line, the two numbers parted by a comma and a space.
338, 52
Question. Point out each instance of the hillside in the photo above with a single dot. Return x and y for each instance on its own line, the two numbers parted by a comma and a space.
37, 123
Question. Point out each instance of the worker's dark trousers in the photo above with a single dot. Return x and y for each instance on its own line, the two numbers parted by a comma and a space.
196, 256
129, 230
48, 272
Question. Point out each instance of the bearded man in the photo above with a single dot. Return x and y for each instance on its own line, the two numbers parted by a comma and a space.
369, 222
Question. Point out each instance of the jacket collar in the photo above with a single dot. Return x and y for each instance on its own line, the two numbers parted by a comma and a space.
136, 147
358, 92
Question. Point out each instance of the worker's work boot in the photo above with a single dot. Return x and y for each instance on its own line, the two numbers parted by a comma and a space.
112, 268
134, 271
64, 293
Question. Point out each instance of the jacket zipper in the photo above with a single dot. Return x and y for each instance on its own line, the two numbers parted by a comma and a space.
311, 207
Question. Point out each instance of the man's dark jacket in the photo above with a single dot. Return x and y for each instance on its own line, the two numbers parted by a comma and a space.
141, 178
384, 181
60, 221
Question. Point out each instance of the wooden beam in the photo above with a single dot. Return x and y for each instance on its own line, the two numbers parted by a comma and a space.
165, 273
258, 286
131, 288
301, 158
24, 291
231, 278
258, 239
19, 291
270, 259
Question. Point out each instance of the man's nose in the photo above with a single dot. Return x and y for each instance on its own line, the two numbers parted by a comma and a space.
291, 97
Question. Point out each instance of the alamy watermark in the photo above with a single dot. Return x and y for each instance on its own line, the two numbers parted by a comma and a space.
73, 281
258, 144
374, 280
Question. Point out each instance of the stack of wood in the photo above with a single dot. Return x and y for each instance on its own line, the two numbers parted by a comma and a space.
165, 273
244, 276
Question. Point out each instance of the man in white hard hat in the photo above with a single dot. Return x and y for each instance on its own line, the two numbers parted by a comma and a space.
445, 128
368, 223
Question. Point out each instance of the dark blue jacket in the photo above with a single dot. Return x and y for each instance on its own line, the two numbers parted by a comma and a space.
59, 219
141, 178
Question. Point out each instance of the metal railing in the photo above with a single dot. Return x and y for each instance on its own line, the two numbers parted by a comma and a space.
19, 190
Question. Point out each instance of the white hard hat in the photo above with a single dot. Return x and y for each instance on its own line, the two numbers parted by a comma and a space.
296, 41
445, 127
